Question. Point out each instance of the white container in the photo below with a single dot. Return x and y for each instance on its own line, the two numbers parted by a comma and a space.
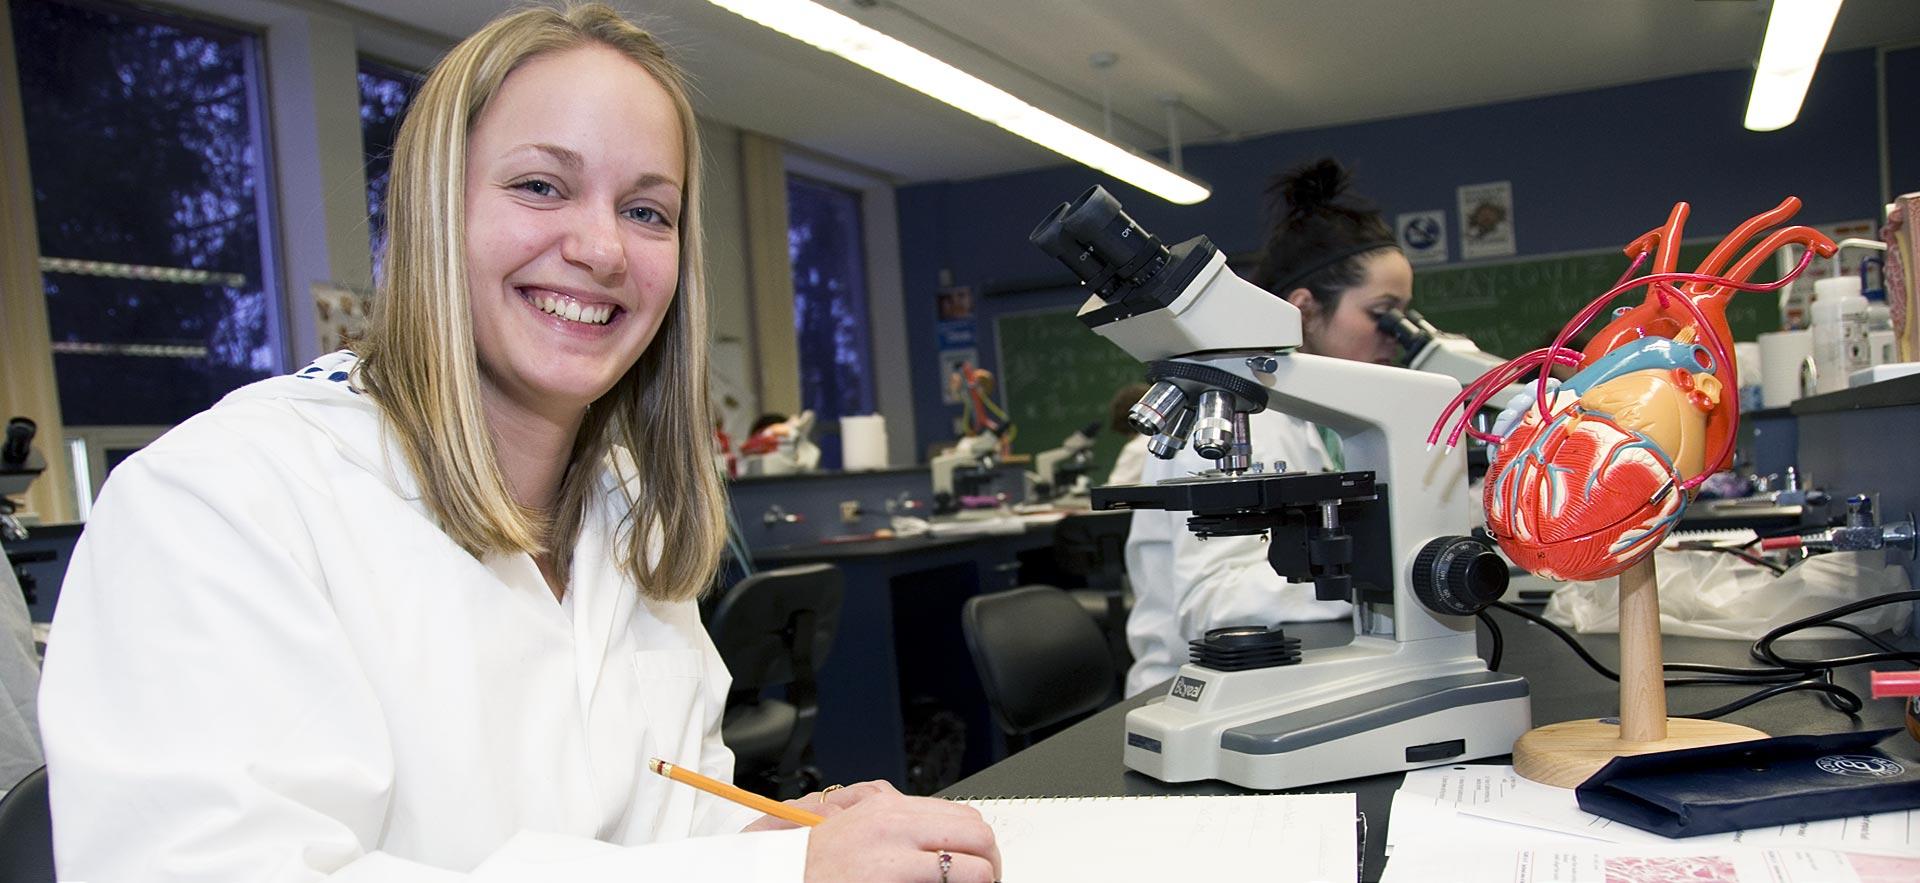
1781, 355
1840, 343
863, 442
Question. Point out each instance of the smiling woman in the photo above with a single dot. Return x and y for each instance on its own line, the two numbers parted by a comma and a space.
388, 616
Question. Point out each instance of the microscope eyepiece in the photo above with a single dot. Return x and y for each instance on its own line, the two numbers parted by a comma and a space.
1408, 328
1095, 239
19, 442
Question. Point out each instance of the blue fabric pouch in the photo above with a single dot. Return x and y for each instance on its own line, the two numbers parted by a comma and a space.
1778, 781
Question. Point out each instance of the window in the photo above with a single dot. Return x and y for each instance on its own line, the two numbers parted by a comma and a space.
824, 243
146, 140
385, 93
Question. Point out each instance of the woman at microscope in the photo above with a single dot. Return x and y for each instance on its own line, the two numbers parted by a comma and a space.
1332, 256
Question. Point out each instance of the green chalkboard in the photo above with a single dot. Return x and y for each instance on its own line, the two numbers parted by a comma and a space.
1510, 308
1059, 375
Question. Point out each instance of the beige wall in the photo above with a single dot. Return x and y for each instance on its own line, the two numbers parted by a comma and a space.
26, 374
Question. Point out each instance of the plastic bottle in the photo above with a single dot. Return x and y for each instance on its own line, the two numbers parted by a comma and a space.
1840, 342
1883, 348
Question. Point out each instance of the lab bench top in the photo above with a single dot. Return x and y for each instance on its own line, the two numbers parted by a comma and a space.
1892, 393
1084, 760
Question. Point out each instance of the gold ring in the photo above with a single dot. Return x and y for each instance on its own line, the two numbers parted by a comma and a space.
828, 790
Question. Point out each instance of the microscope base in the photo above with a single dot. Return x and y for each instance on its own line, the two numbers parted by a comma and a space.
1403, 718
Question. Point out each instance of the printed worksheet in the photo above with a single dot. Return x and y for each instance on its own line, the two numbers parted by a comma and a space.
1615, 863
1497, 793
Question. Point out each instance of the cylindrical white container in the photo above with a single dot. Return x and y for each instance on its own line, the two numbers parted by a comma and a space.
1781, 353
863, 442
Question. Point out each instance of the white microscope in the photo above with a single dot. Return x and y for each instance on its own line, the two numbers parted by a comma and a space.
1251, 708
1062, 471
963, 471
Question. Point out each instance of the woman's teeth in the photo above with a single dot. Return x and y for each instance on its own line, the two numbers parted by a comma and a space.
572, 311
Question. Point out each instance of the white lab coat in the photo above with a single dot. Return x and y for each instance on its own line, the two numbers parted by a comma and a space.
268, 664
1184, 586
1132, 461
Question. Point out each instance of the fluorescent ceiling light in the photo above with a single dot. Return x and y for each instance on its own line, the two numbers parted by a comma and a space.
825, 29
1796, 33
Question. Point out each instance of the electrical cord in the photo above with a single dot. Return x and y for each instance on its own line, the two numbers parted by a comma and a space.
1763, 649
1782, 674
1499, 640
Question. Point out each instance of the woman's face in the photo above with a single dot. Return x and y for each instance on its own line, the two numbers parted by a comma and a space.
575, 174
1349, 331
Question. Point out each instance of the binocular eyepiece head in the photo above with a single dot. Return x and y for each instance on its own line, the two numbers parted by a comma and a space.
1095, 239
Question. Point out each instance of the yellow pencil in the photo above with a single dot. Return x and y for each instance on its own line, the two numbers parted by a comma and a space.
745, 798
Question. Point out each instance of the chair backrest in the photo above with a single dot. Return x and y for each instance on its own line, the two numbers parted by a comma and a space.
1042, 660
1093, 546
26, 832
776, 626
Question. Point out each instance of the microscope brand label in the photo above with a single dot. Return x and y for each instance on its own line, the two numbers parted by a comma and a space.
1187, 688
1147, 743
1860, 766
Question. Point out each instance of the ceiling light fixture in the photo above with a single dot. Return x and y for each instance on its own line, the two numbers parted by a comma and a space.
832, 32
1796, 34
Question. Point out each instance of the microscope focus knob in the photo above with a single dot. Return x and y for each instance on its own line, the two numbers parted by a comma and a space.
1458, 575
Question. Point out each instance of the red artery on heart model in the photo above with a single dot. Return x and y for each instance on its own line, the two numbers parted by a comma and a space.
1588, 476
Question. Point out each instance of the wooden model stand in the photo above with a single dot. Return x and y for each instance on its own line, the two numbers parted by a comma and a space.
1566, 754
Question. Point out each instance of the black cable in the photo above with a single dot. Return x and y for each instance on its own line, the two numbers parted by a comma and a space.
1837, 697
1499, 640
1781, 679
1763, 649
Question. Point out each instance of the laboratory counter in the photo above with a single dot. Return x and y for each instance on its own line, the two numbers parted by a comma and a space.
1084, 760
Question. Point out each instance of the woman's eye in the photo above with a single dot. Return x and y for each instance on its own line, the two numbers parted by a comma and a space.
536, 187
646, 215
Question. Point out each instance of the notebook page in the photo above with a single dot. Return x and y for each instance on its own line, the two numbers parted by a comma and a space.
1284, 838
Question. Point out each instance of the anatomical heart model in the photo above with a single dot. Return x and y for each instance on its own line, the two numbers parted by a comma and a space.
1591, 474
1588, 476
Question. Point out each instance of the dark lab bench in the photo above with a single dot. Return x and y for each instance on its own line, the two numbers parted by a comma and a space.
1084, 760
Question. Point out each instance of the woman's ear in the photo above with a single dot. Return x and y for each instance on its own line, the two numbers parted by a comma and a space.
1302, 299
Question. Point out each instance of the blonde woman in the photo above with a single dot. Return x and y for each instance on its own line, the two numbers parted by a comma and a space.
425, 608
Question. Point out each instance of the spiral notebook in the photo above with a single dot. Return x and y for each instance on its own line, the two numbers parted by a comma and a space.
1280, 838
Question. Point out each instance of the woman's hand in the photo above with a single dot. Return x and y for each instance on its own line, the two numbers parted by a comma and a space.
823, 803
875, 834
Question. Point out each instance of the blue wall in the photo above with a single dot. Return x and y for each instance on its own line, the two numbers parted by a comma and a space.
1589, 170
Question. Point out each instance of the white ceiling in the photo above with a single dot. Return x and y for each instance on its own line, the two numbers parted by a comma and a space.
1239, 67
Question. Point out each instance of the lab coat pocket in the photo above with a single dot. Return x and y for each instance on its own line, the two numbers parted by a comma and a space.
669, 683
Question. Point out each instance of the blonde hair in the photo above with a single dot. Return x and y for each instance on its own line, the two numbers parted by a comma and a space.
419, 363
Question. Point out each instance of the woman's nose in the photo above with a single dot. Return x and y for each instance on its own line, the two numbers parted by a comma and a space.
594, 245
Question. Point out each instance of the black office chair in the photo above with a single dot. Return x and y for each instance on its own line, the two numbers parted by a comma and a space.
774, 629
1042, 661
26, 832
1093, 547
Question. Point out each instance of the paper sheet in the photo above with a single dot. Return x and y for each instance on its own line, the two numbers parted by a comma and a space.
1603, 863
1282, 838
1497, 793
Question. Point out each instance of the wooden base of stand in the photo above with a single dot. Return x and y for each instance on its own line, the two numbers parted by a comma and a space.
1566, 754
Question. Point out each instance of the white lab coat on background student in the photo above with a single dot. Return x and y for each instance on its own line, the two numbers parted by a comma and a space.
268, 664
1183, 585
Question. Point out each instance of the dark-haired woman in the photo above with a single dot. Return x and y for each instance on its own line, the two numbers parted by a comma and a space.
1333, 257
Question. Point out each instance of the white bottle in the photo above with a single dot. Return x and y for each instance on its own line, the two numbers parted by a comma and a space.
1840, 342
1882, 346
